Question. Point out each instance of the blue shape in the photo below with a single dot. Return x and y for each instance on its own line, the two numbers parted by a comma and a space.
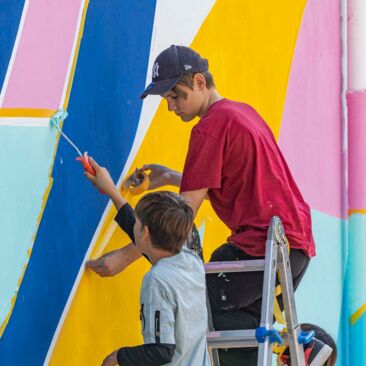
306, 337
357, 342
261, 333
10, 15
104, 111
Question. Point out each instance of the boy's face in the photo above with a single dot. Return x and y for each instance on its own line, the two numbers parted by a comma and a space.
184, 102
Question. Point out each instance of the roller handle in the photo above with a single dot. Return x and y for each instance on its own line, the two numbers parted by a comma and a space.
84, 160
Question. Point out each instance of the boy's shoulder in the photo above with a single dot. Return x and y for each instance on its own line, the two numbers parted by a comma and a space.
225, 114
169, 269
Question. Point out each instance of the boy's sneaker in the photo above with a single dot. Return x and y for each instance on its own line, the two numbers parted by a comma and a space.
316, 352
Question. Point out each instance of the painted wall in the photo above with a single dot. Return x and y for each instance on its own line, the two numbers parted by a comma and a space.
94, 58
356, 105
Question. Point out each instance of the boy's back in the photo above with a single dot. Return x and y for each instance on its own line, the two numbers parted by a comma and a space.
173, 307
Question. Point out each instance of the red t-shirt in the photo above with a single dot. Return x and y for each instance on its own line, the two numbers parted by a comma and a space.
234, 154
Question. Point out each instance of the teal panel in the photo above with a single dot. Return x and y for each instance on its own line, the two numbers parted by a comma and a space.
357, 262
319, 296
355, 293
25, 159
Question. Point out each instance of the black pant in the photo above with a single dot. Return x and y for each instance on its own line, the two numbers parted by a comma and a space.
236, 298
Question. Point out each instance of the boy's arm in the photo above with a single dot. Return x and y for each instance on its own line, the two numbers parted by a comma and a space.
104, 182
161, 176
146, 354
115, 261
158, 328
195, 198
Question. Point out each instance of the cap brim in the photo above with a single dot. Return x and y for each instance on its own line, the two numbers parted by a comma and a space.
160, 87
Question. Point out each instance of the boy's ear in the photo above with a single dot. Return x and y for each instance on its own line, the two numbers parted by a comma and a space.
146, 234
200, 81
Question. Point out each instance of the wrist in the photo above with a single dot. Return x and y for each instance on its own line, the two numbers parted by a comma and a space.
116, 197
175, 178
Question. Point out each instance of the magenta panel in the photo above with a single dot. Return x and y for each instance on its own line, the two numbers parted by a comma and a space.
311, 129
356, 103
40, 67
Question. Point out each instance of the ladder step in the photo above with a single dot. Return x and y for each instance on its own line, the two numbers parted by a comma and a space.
232, 339
235, 266
235, 339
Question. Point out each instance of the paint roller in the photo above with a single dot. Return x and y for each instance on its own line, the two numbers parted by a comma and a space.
137, 183
55, 121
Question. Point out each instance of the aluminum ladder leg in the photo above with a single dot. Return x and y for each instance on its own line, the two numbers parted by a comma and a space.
276, 258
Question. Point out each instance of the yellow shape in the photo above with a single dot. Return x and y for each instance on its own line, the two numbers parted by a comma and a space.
357, 314
359, 211
250, 46
26, 112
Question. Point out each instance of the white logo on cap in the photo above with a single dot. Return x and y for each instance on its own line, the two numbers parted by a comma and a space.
156, 70
187, 67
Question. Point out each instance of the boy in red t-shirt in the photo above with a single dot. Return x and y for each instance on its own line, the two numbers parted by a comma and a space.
234, 160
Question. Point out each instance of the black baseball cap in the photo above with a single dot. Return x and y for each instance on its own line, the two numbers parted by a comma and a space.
170, 66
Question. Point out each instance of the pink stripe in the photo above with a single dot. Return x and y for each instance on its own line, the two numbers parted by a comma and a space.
356, 103
42, 60
310, 135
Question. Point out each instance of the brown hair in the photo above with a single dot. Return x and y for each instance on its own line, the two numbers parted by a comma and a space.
187, 80
169, 219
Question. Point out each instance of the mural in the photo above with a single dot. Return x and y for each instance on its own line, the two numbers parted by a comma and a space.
94, 58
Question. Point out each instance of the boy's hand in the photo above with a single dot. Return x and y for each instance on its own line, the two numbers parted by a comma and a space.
115, 261
161, 176
111, 360
102, 180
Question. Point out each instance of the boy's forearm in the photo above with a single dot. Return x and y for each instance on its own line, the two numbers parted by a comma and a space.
147, 355
132, 253
175, 178
117, 198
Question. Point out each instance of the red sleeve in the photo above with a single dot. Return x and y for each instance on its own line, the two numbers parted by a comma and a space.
203, 164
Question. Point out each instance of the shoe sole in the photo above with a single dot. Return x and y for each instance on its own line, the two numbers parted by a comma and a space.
322, 357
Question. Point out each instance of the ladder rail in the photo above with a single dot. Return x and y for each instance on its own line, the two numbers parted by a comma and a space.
212, 352
276, 259
265, 349
288, 296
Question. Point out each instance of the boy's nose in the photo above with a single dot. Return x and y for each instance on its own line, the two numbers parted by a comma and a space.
171, 106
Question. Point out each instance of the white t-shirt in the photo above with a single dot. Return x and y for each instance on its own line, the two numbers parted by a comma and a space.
173, 308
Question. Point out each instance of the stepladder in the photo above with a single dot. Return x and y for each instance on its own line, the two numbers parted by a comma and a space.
276, 264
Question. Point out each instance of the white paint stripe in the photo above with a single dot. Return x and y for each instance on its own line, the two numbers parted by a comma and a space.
72, 54
15, 50
24, 122
356, 44
166, 13
344, 119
